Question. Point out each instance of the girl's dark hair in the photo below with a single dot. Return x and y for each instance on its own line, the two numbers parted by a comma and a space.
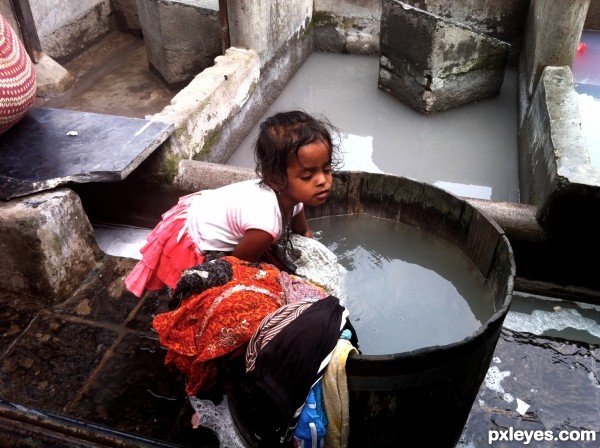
285, 133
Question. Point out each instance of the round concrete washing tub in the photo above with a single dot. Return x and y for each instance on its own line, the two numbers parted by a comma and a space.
422, 397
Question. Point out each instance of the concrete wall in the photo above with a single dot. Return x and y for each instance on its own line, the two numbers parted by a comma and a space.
126, 16
433, 64
266, 26
592, 19
552, 34
182, 37
555, 170
347, 26
67, 27
213, 97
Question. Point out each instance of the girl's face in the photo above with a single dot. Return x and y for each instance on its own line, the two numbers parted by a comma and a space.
309, 176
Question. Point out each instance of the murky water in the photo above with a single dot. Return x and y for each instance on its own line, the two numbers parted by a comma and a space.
405, 289
545, 316
470, 151
586, 76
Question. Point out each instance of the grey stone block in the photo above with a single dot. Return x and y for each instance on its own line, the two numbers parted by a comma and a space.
182, 38
47, 245
433, 64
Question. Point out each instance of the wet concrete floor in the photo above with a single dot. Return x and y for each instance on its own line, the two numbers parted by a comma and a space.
113, 77
89, 371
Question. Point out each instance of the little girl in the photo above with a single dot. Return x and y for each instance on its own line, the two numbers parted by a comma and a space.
295, 155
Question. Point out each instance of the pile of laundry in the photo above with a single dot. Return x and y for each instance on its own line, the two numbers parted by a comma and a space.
277, 341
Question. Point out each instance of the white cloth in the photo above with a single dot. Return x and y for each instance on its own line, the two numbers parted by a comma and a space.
218, 419
316, 263
218, 219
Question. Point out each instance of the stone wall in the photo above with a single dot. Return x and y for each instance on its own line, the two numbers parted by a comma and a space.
67, 27
592, 20
126, 16
266, 26
348, 26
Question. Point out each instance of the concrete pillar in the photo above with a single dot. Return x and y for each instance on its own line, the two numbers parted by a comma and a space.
182, 37
552, 33
47, 245
433, 64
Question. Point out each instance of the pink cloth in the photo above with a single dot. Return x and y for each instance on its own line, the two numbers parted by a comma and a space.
167, 253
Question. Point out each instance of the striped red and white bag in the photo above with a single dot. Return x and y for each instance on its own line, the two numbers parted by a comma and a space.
17, 78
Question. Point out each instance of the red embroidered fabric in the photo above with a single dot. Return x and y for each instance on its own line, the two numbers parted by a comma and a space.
218, 322
17, 78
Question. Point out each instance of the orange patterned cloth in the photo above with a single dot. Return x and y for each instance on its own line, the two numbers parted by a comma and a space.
218, 322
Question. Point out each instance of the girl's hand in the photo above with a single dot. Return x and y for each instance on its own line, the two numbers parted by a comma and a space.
253, 245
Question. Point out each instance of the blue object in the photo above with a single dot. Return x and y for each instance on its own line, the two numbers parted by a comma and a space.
311, 427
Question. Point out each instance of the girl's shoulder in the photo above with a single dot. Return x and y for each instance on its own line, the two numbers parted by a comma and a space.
244, 188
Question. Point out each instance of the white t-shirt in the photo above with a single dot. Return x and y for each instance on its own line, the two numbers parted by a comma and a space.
218, 219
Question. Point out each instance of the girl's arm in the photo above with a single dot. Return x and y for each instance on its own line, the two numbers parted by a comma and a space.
253, 245
300, 225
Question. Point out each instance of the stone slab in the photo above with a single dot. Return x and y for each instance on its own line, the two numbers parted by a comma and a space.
38, 153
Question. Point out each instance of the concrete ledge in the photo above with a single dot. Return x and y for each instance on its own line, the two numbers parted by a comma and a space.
556, 174
194, 175
47, 245
201, 109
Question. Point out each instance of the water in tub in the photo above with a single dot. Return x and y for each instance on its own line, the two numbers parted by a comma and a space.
405, 289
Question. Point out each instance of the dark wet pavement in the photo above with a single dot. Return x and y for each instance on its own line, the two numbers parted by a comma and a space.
95, 359
557, 378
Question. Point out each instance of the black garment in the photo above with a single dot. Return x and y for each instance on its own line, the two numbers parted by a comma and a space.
287, 367
197, 279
